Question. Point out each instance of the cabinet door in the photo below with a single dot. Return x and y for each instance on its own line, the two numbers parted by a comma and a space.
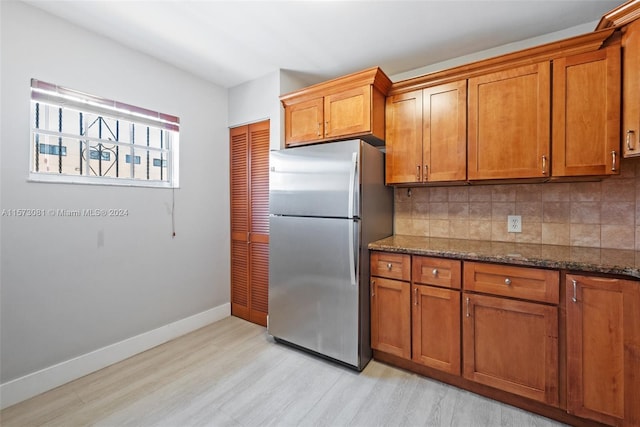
445, 132
511, 345
509, 123
404, 138
586, 114
304, 121
436, 328
631, 89
347, 112
603, 349
391, 316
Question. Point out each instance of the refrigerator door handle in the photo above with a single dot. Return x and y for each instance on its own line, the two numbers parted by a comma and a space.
352, 183
352, 254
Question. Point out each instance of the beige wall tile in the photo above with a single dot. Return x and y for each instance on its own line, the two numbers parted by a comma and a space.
458, 210
530, 211
458, 194
556, 192
499, 232
588, 214
480, 193
479, 229
531, 232
480, 210
617, 237
556, 212
585, 235
620, 213
459, 229
439, 228
503, 193
586, 192
585, 213
556, 234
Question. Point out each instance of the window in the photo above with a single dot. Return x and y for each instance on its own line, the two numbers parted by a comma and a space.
76, 137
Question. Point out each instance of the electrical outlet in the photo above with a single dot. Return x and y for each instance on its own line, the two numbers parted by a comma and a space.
514, 223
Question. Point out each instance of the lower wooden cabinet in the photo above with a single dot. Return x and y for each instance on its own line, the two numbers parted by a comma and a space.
391, 316
603, 349
511, 345
436, 328
513, 333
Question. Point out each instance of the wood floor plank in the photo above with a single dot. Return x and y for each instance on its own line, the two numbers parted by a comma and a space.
231, 373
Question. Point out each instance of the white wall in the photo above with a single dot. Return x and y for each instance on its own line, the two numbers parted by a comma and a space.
255, 101
497, 51
70, 286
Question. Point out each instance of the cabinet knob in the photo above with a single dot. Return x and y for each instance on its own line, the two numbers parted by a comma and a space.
435, 272
507, 281
389, 266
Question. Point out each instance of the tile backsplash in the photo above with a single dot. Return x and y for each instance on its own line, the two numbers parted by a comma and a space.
601, 214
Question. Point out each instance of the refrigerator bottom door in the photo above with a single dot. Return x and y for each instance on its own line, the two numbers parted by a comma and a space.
313, 285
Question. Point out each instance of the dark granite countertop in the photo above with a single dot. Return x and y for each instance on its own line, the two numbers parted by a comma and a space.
596, 260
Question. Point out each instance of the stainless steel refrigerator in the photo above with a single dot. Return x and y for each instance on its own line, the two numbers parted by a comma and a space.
327, 202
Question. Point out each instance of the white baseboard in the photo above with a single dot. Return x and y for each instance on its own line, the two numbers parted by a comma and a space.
51, 377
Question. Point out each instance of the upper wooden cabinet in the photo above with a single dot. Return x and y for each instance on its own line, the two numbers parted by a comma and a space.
350, 106
509, 123
631, 89
426, 135
586, 114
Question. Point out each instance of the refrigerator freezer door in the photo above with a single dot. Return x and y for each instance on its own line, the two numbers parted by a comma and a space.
313, 299
321, 181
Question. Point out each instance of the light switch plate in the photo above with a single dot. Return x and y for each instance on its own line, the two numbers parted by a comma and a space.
514, 223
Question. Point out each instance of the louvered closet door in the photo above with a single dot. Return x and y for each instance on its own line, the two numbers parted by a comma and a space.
250, 221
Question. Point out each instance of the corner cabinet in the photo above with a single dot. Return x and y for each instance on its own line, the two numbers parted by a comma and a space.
426, 136
509, 123
603, 349
586, 113
631, 89
347, 107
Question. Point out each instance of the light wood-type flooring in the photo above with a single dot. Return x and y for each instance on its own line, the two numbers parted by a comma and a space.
232, 373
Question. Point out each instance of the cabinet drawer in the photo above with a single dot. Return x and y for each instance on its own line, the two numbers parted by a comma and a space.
517, 282
436, 271
391, 265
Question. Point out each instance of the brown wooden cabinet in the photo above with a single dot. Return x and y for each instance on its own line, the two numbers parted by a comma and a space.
509, 123
350, 106
249, 168
631, 89
435, 328
603, 349
586, 114
391, 303
511, 344
426, 135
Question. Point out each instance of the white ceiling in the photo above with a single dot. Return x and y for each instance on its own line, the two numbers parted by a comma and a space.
231, 42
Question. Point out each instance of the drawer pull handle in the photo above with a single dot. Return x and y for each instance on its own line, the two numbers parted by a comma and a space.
435, 272
418, 173
574, 298
507, 281
467, 300
629, 134
389, 266
415, 295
